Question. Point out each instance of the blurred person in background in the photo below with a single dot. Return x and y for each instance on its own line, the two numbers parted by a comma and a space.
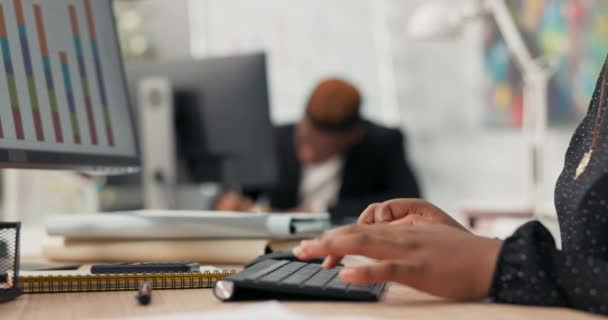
333, 160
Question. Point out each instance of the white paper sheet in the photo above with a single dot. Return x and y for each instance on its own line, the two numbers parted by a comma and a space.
271, 310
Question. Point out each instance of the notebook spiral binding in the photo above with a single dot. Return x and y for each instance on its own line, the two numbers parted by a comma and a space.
119, 282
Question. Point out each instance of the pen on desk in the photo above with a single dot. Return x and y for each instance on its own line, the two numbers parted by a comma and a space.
145, 293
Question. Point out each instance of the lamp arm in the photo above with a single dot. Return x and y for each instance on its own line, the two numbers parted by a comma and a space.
536, 80
513, 38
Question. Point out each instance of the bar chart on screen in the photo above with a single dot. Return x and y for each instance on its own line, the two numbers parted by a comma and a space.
55, 87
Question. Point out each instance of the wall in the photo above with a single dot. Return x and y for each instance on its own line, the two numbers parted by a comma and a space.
170, 31
166, 24
305, 41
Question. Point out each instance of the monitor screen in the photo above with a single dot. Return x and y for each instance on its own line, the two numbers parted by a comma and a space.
63, 94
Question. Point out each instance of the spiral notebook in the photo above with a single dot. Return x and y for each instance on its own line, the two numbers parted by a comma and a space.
86, 282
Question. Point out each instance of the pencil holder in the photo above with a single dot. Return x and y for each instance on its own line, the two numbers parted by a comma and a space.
9, 261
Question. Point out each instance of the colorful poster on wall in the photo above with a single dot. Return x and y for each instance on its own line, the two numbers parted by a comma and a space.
572, 33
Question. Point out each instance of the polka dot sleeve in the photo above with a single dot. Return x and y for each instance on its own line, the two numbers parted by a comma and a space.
530, 270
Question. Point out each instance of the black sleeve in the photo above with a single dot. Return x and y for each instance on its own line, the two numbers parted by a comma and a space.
400, 182
532, 271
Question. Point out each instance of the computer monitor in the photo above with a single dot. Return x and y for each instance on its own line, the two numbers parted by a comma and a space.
63, 95
223, 129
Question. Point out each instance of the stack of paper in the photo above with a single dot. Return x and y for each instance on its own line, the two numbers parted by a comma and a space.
211, 237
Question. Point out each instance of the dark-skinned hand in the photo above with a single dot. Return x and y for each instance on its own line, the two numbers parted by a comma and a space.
438, 259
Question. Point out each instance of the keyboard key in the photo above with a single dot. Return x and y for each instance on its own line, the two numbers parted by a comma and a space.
379, 286
361, 287
282, 272
321, 278
263, 272
302, 275
293, 266
254, 269
337, 284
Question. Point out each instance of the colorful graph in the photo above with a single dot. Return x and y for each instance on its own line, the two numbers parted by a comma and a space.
99, 72
84, 78
29, 70
69, 92
48, 73
10, 77
572, 33
38, 53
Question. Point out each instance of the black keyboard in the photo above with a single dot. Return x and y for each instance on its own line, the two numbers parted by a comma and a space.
284, 279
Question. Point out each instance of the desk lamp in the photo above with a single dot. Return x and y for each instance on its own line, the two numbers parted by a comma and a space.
440, 21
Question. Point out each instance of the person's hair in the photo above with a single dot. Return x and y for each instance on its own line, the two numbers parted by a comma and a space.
334, 105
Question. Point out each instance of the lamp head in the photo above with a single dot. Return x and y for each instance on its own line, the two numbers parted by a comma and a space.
440, 20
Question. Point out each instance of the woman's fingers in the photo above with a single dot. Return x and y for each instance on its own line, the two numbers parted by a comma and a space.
390, 270
361, 243
391, 210
377, 213
379, 231
367, 216
383, 213
332, 261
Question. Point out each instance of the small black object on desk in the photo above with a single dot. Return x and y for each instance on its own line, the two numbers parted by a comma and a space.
47, 266
145, 293
145, 267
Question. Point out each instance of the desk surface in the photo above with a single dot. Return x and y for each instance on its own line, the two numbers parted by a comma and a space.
398, 303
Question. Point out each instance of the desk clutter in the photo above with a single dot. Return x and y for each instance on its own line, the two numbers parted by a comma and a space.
182, 224
133, 238
201, 236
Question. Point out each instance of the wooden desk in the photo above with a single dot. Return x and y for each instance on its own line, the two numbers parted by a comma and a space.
398, 303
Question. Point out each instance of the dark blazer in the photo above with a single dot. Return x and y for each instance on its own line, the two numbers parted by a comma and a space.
374, 170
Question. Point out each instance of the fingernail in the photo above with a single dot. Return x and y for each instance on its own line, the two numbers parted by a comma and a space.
296, 251
326, 264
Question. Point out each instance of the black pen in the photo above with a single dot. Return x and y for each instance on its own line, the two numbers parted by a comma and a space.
145, 293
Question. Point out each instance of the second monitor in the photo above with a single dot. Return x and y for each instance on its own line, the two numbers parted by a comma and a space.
222, 118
